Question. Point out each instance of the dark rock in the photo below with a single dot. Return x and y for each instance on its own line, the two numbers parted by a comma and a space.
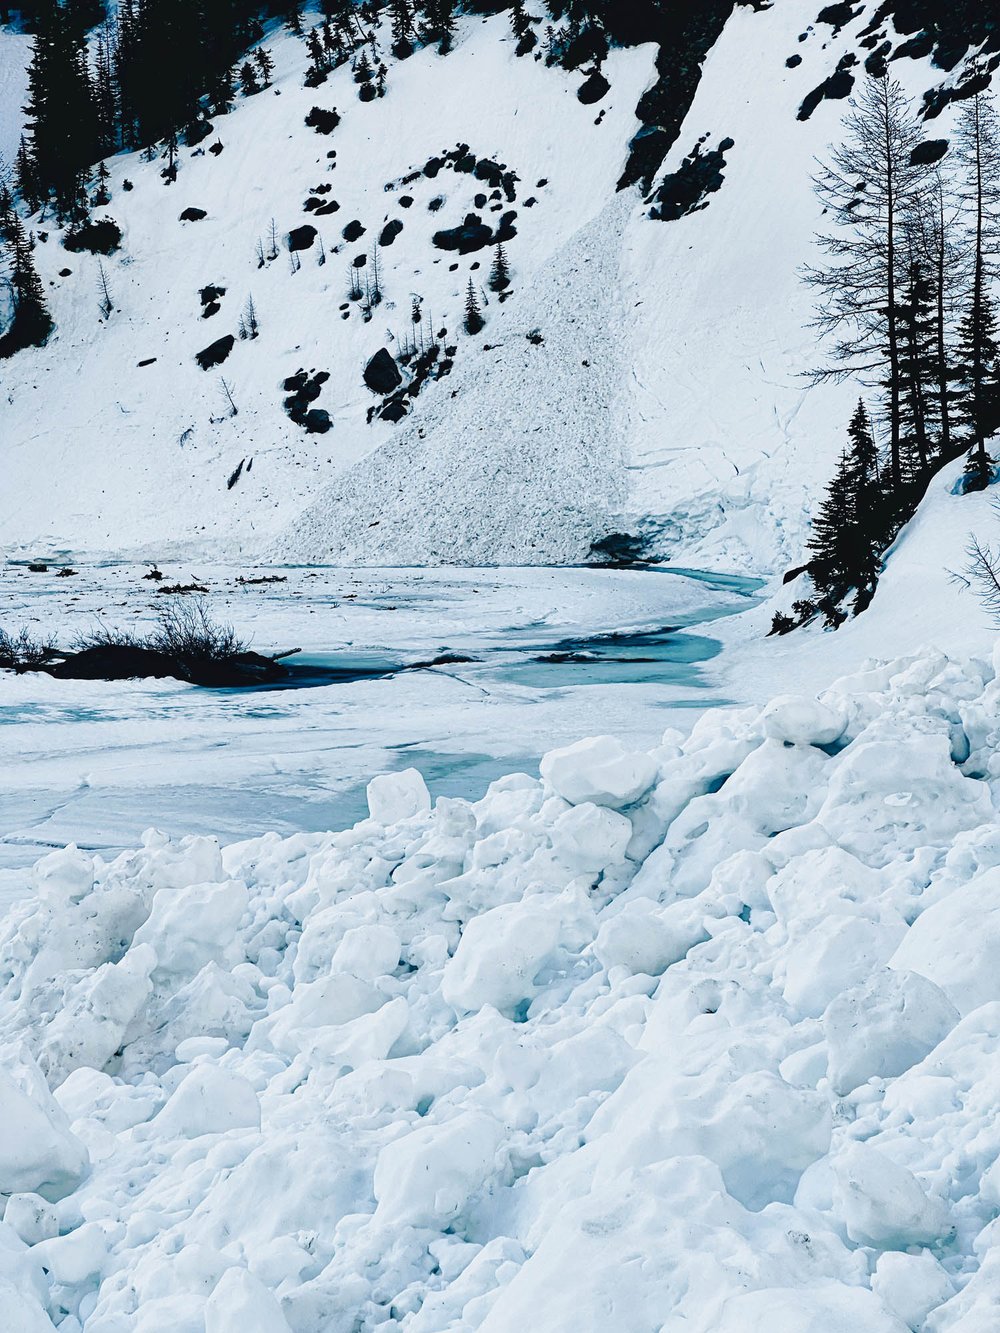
331, 206
390, 231
102, 237
211, 293
193, 215
216, 352
115, 662
323, 121
65, 272
839, 85
472, 235
353, 231
382, 375
685, 190
406, 201
593, 89
317, 421
394, 411
301, 238
197, 132
432, 166
838, 15
435, 204
793, 61
148, 362
928, 152
488, 171
215, 149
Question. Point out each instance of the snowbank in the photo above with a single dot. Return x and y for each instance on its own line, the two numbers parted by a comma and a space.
703, 1038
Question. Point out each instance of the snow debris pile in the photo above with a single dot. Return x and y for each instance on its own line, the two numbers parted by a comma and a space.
704, 1038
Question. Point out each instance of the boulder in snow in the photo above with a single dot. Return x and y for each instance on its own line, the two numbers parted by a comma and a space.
382, 375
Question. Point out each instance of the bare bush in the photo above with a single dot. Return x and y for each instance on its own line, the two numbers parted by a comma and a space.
21, 652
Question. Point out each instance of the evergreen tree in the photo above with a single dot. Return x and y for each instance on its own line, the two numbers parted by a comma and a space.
248, 79
849, 530
31, 323
403, 31
917, 366
265, 65
870, 189
62, 115
520, 24
978, 368
500, 272
946, 264
319, 65
474, 321
439, 23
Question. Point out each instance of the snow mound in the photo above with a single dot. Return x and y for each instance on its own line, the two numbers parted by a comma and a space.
699, 1038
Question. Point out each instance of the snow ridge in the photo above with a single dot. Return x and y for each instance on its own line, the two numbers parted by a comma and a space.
697, 1038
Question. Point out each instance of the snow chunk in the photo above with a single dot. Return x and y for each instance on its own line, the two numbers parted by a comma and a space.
426, 1178
242, 1304
829, 1309
600, 770
393, 797
590, 838
210, 1100
645, 938
368, 952
882, 1203
39, 1153
955, 943
32, 1217
802, 721
192, 926
883, 1026
911, 1285
499, 956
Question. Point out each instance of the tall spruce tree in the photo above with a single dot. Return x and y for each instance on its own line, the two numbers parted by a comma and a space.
31, 323
474, 322
63, 133
849, 531
978, 353
439, 23
869, 189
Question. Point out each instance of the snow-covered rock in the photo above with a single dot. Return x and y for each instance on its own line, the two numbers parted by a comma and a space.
39, 1154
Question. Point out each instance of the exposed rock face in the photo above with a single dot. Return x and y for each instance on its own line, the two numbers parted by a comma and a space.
215, 353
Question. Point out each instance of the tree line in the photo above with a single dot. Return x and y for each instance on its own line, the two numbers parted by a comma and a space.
906, 300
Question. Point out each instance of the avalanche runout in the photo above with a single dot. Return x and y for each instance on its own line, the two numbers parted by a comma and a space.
699, 1040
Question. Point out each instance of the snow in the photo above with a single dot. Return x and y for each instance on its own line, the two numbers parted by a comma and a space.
717, 1058
667, 394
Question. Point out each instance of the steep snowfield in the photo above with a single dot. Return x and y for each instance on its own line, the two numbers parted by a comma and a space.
698, 1039
174, 447
663, 390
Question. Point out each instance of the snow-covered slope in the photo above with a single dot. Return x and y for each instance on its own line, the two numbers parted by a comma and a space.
642, 376
699, 1039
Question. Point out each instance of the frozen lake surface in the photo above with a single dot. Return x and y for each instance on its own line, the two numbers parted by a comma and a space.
554, 655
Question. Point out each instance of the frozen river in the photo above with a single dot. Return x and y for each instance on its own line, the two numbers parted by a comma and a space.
552, 655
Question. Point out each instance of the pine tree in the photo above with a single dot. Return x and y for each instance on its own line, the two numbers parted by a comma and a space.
62, 115
248, 79
500, 272
265, 64
917, 364
32, 323
849, 530
520, 24
474, 321
319, 65
978, 368
403, 32
947, 265
871, 187
439, 23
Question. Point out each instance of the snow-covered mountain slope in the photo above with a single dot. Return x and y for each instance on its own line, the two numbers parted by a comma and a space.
699, 1039
642, 376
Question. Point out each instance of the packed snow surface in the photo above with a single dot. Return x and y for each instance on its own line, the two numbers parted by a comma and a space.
701, 1038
